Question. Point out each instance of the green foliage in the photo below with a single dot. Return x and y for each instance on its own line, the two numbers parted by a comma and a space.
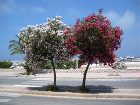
16, 46
46, 65
59, 65
5, 64
65, 65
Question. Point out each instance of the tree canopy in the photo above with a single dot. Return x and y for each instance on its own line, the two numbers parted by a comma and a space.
94, 39
45, 42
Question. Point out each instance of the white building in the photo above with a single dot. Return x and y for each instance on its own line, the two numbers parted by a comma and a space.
18, 64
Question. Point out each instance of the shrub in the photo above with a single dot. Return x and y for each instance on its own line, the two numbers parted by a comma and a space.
59, 65
119, 65
65, 65
5, 64
46, 65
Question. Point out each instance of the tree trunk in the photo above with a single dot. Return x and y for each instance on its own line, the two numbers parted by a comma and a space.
84, 78
28, 70
54, 72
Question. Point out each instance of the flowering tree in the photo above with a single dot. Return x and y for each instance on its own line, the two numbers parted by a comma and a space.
23, 44
45, 42
95, 40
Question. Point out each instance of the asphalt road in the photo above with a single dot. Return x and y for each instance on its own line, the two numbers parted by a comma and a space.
105, 83
17, 99
9, 80
114, 83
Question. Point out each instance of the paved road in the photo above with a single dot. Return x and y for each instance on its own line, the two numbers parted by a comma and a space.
9, 80
17, 99
33, 82
114, 83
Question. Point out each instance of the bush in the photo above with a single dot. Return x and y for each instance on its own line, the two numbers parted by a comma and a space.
5, 64
59, 65
65, 65
119, 65
46, 65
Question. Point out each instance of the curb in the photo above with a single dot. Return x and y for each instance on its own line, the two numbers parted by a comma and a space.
109, 77
27, 92
90, 78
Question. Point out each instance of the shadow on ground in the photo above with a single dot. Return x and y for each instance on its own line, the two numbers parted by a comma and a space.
74, 89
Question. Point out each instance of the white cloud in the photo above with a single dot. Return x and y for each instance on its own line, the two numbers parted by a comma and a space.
126, 20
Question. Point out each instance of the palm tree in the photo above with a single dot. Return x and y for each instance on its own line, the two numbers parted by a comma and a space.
17, 46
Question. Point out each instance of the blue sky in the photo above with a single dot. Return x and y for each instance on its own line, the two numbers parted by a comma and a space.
16, 14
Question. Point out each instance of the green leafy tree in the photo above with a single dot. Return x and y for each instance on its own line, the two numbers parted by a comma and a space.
5, 64
16, 46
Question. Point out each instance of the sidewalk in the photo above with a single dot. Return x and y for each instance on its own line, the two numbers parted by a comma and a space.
112, 75
91, 75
